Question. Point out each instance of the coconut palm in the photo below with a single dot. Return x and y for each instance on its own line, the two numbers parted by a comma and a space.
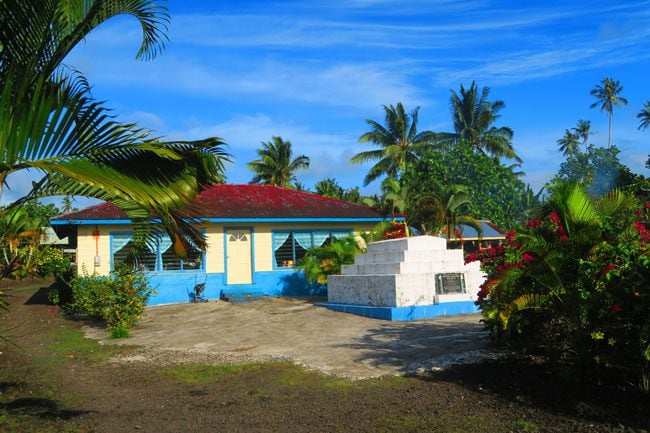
440, 210
569, 143
583, 130
398, 140
644, 116
607, 96
50, 124
473, 116
276, 165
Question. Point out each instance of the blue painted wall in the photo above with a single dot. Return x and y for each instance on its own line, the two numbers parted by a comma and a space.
176, 287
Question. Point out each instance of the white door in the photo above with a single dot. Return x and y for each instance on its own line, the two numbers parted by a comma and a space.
238, 257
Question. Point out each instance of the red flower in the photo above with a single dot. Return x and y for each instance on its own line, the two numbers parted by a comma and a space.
510, 236
616, 308
562, 234
554, 217
608, 268
533, 224
527, 257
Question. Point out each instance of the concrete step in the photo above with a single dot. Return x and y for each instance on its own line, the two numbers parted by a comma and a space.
408, 256
416, 243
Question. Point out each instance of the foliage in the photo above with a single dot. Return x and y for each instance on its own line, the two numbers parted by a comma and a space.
574, 284
276, 165
395, 230
497, 192
473, 116
320, 262
51, 124
398, 140
20, 238
644, 116
597, 169
118, 299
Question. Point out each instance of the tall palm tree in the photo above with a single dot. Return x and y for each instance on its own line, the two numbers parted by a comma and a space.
275, 165
50, 123
569, 143
473, 116
398, 140
644, 116
607, 96
583, 130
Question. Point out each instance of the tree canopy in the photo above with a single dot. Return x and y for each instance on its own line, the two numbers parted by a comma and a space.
497, 192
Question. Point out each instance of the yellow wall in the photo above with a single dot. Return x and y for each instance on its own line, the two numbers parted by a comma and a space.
87, 245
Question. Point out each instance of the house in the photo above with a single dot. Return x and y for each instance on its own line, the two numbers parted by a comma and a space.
255, 236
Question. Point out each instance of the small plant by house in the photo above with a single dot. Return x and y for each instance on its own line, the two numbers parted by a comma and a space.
118, 299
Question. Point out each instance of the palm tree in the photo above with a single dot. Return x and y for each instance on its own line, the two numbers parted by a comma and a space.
275, 165
569, 143
608, 97
398, 140
644, 116
473, 116
441, 210
329, 188
583, 130
50, 123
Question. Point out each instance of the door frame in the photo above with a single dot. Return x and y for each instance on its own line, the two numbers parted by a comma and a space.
225, 253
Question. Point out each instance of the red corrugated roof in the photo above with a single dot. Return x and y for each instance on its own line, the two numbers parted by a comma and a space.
249, 201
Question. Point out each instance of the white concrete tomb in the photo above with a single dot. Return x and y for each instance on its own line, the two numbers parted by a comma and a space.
406, 272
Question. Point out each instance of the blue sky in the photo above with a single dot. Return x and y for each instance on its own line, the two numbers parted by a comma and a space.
312, 71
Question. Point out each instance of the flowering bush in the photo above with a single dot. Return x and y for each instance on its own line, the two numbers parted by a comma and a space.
574, 284
395, 230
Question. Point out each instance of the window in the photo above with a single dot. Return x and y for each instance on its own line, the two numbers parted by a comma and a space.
289, 246
159, 256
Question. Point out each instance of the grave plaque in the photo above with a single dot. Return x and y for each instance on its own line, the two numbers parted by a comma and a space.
453, 282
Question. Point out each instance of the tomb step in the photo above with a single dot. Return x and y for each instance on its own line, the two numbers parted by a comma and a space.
416, 243
408, 256
402, 268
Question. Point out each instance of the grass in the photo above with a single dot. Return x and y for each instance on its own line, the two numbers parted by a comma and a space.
66, 344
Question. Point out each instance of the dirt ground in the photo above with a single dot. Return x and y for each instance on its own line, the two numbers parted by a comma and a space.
52, 380
297, 330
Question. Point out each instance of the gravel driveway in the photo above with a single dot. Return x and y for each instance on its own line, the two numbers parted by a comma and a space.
300, 331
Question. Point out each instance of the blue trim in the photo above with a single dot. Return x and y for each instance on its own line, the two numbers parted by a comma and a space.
300, 220
225, 253
233, 220
406, 313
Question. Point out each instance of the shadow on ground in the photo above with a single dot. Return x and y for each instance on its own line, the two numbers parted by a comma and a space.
423, 345
40, 407
520, 381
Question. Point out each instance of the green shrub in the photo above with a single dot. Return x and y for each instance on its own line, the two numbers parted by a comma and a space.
118, 299
120, 331
52, 263
319, 262
574, 285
